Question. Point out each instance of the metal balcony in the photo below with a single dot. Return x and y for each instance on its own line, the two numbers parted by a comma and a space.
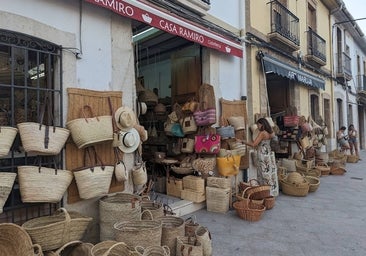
316, 49
284, 27
361, 83
343, 67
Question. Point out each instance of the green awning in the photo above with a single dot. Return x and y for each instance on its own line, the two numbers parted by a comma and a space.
282, 69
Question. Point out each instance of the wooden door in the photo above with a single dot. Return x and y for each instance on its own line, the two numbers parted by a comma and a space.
186, 74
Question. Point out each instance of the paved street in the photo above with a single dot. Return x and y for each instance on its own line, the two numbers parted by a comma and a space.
330, 221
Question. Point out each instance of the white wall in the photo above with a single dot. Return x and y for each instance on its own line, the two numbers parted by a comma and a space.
227, 11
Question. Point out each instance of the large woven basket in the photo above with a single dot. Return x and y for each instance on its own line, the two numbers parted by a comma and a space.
139, 232
15, 241
72, 248
6, 184
219, 182
52, 232
172, 227
153, 208
218, 199
100, 248
42, 184
258, 192
323, 168
194, 183
300, 189
7, 136
269, 202
352, 158
42, 139
93, 181
193, 195
204, 237
120, 249
117, 207
89, 131
313, 183
337, 170
188, 246
249, 211
174, 187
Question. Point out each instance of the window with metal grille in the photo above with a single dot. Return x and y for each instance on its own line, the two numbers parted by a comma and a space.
29, 68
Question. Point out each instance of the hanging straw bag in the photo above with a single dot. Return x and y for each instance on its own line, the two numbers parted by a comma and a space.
87, 131
120, 170
139, 172
228, 165
40, 184
43, 139
15, 241
6, 184
52, 232
187, 145
188, 125
139, 232
7, 136
188, 246
94, 179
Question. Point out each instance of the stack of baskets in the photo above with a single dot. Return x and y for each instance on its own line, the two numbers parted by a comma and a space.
218, 193
295, 184
248, 210
193, 189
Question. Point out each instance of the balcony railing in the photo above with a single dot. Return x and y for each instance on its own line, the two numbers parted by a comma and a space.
316, 46
344, 65
361, 83
284, 22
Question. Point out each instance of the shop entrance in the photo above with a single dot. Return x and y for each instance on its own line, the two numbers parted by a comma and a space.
278, 93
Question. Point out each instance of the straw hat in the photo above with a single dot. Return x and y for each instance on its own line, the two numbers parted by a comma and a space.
125, 118
130, 140
141, 108
142, 132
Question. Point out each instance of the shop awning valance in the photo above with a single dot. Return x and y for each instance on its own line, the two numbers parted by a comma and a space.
172, 24
274, 65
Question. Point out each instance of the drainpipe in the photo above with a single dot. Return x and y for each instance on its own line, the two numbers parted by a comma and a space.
243, 66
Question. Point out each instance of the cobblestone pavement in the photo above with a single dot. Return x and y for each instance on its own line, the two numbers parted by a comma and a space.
330, 221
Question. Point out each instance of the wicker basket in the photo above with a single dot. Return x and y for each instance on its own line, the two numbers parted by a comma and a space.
219, 182
352, 158
42, 139
15, 241
42, 184
188, 246
194, 183
155, 251
314, 172
139, 232
269, 202
7, 136
172, 227
249, 211
72, 248
117, 207
203, 236
52, 232
120, 249
301, 189
192, 195
313, 183
182, 170
218, 199
100, 248
190, 226
174, 187
323, 168
6, 184
337, 170
258, 192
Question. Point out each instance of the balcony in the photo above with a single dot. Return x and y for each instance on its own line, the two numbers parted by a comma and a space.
343, 67
316, 49
284, 28
361, 83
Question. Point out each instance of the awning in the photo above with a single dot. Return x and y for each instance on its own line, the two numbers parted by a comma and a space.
280, 68
172, 24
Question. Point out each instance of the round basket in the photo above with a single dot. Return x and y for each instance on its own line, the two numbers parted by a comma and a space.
249, 211
118, 249
182, 170
314, 173
72, 248
352, 158
244, 197
117, 207
100, 248
7, 136
300, 189
337, 170
295, 178
52, 232
314, 183
269, 202
6, 184
323, 168
172, 227
15, 241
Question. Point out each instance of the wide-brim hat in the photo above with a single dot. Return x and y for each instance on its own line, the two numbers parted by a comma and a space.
130, 140
141, 108
125, 118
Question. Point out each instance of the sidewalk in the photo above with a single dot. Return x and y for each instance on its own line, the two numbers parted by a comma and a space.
330, 221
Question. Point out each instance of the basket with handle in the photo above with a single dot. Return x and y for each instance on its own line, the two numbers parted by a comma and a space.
269, 202
40, 184
154, 208
154, 250
72, 248
90, 130
188, 246
52, 232
172, 227
120, 249
139, 232
314, 183
295, 189
43, 139
195, 183
248, 210
217, 199
323, 168
14, 240
204, 237
190, 226
219, 182
7, 136
6, 184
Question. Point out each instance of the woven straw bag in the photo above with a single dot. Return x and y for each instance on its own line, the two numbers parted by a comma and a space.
6, 184
149, 208
42, 184
72, 248
219, 182
155, 251
204, 237
188, 246
139, 174
217, 199
15, 241
189, 125
93, 180
194, 182
174, 186
139, 232
7, 136
87, 131
190, 226
52, 232
101, 248
117, 207
172, 227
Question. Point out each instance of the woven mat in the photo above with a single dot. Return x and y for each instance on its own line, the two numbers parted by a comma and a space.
98, 101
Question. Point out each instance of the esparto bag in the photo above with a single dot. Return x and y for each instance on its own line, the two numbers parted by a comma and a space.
90, 130
139, 172
207, 144
120, 170
7, 136
228, 165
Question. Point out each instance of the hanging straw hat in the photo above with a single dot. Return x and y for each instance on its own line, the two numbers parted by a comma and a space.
141, 108
125, 118
130, 140
142, 132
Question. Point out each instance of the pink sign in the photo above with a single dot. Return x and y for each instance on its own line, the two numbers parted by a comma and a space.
171, 24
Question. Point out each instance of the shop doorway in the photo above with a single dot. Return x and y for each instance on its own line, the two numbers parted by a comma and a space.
278, 93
